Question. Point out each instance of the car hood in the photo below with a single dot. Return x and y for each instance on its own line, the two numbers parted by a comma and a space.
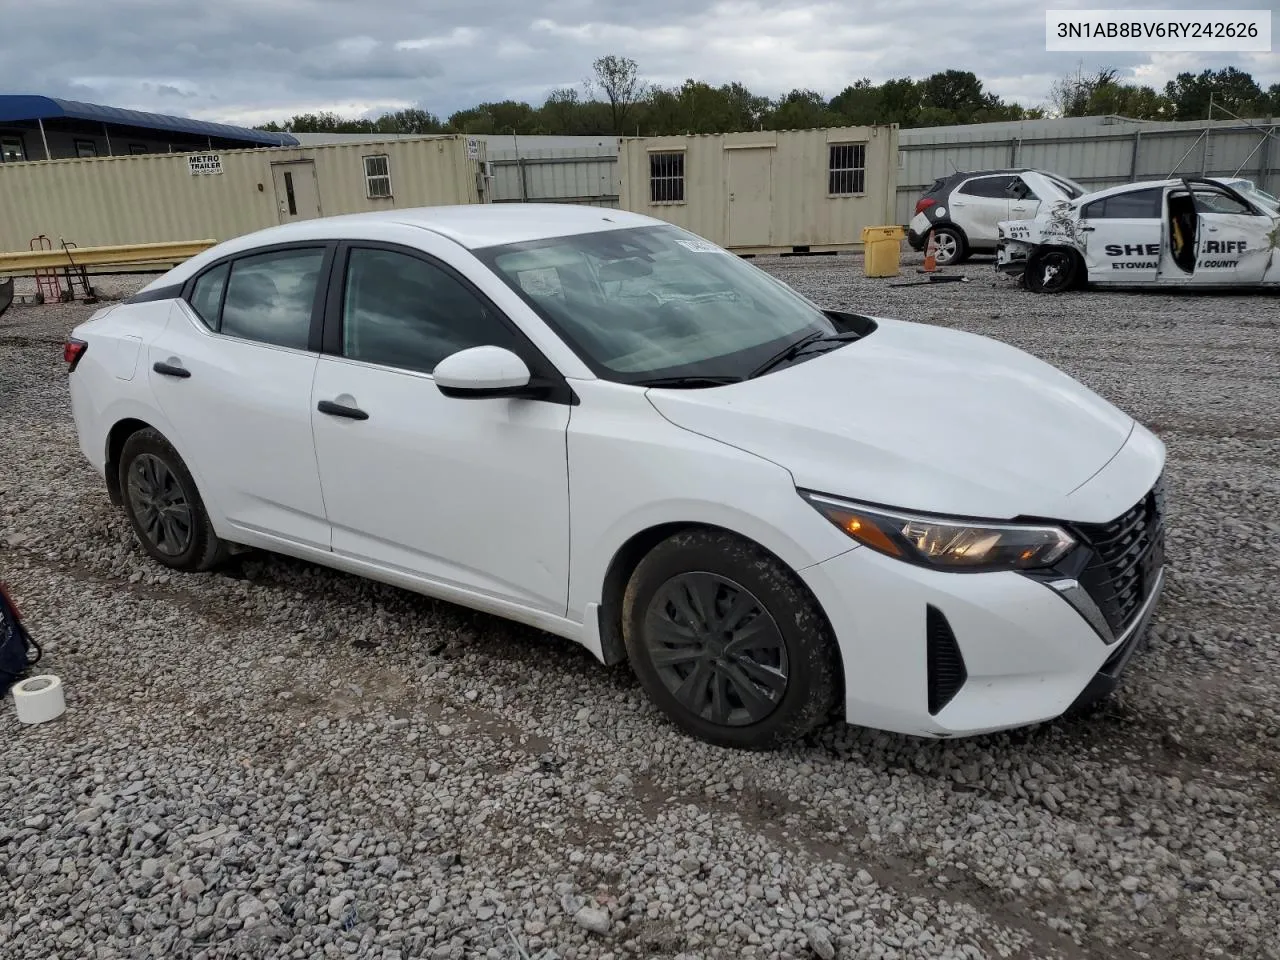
919, 417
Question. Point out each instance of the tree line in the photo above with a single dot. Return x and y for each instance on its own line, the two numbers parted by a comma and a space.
616, 101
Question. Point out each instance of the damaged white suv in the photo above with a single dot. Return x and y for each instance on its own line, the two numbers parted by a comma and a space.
1192, 231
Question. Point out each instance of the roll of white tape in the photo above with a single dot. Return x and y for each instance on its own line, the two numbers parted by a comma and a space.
39, 699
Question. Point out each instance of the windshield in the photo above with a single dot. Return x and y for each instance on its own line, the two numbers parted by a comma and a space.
650, 302
1251, 191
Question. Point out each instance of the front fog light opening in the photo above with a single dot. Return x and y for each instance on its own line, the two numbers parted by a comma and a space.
946, 543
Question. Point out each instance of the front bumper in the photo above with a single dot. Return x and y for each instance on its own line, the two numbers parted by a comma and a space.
1011, 257
945, 654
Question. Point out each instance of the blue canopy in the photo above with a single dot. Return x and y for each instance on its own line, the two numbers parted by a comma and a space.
21, 107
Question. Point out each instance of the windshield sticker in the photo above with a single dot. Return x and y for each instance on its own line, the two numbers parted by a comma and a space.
700, 246
543, 282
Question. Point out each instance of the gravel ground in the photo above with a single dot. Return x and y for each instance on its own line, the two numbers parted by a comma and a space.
282, 761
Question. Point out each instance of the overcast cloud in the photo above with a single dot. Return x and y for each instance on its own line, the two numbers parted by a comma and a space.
248, 61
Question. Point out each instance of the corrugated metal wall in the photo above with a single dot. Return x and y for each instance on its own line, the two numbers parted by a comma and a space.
801, 211
156, 199
1096, 151
587, 175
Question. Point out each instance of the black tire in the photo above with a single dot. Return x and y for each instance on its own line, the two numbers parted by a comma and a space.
949, 239
765, 670
1054, 270
164, 506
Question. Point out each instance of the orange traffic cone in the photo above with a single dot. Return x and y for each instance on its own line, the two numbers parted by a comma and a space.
930, 258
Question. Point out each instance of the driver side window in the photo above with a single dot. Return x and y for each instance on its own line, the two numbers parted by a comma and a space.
401, 311
1211, 201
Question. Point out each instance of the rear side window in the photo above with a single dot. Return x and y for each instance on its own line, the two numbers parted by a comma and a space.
206, 296
1134, 205
270, 297
987, 187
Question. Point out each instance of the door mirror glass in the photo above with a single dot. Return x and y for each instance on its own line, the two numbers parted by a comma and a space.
479, 372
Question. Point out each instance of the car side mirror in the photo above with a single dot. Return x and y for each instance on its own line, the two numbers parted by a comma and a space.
485, 372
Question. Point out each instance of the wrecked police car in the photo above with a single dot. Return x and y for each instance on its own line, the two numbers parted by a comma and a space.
1191, 231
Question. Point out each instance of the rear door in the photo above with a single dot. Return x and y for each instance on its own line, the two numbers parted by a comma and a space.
232, 372
1233, 242
980, 203
1120, 236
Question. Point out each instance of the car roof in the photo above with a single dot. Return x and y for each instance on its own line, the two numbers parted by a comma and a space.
473, 225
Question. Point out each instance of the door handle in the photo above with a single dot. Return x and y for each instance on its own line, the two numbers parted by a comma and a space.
1086, 229
338, 410
170, 370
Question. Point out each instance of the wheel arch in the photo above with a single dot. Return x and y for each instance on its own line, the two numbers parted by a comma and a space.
117, 436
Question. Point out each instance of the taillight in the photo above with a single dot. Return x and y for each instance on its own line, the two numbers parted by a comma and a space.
924, 203
73, 351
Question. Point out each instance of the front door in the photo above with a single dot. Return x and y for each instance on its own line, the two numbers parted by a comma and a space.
1234, 243
232, 373
473, 494
1120, 236
750, 196
297, 190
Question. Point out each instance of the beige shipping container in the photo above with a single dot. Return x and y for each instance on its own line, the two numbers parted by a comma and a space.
163, 198
766, 191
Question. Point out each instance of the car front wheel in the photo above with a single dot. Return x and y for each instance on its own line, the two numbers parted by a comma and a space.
1052, 271
164, 506
728, 642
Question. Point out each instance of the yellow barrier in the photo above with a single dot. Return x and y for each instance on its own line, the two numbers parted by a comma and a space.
27, 261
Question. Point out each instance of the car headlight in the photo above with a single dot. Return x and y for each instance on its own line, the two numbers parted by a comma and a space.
945, 543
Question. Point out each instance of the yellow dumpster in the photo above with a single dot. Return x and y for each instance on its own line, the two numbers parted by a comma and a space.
881, 251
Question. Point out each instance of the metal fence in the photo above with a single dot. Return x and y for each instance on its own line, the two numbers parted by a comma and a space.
1097, 152
585, 175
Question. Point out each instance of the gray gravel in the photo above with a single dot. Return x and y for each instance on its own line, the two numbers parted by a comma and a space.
282, 761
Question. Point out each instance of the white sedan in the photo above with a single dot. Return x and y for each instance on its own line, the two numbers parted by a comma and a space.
1189, 232
604, 426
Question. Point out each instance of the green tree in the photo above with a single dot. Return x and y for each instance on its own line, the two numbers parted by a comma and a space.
801, 110
1232, 89
619, 80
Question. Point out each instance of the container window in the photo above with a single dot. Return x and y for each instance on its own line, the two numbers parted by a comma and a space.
137, 149
377, 176
666, 177
846, 169
11, 150
86, 148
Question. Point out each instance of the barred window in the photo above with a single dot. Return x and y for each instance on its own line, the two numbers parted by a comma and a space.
666, 177
847, 169
377, 176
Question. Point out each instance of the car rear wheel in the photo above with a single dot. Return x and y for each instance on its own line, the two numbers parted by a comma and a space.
164, 506
727, 641
949, 246
1052, 271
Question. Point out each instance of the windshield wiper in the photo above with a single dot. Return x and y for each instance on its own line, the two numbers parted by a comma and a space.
801, 347
689, 381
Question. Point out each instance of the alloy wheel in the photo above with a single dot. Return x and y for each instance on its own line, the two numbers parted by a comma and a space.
160, 505
945, 247
716, 649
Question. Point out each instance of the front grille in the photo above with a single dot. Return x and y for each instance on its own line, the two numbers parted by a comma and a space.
945, 668
1127, 554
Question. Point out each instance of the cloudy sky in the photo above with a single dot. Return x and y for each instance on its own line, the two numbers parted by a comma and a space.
248, 61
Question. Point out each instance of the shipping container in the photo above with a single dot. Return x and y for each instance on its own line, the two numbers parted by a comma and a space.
161, 198
766, 191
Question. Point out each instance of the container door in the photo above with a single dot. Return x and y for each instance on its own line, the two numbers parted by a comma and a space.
297, 191
750, 196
